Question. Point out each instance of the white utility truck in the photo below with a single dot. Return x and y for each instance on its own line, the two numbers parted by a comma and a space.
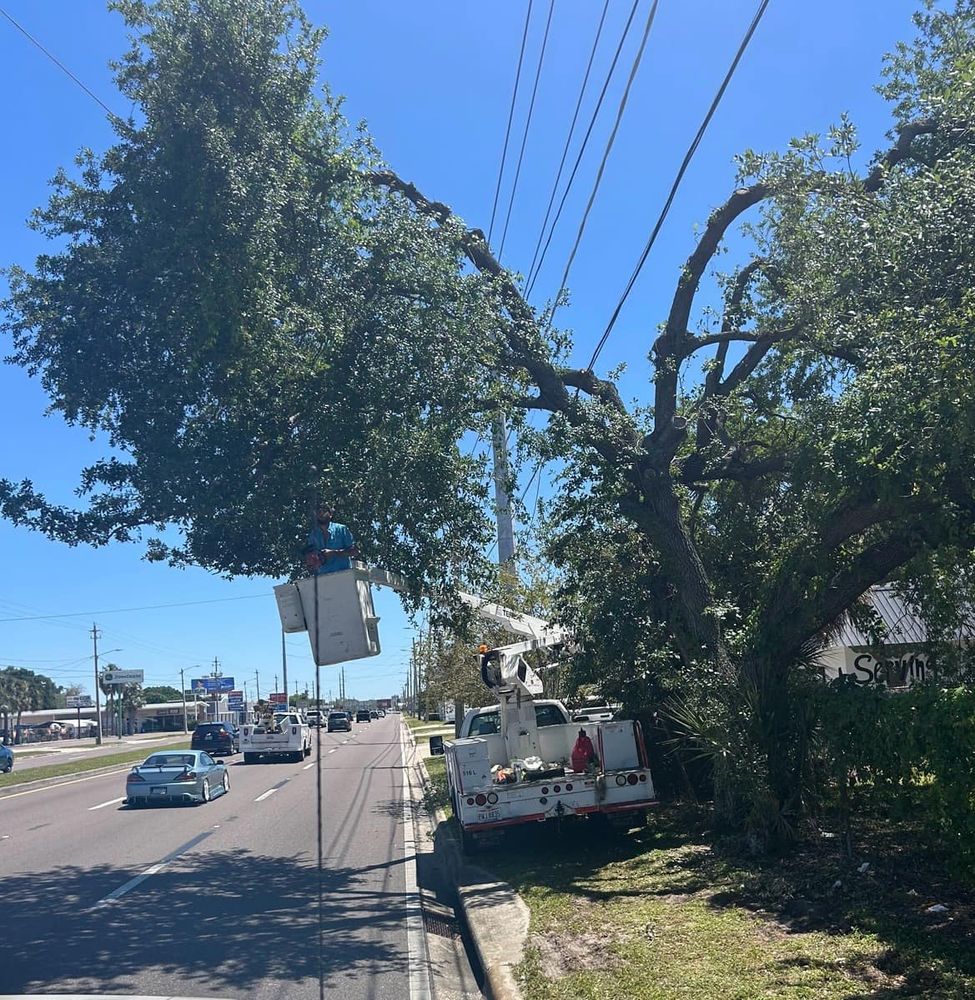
282, 736
520, 761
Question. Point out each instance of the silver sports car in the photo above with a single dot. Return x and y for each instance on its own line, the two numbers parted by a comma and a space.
176, 776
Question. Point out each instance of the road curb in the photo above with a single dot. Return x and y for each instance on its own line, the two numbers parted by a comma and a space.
481, 896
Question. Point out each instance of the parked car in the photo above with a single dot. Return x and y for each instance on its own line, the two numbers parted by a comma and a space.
6, 759
176, 776
362, 716
338, 722
216, 737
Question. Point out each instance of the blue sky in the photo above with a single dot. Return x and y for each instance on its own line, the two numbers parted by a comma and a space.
433, 81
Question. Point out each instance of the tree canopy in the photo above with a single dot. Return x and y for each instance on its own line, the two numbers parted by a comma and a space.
258, 312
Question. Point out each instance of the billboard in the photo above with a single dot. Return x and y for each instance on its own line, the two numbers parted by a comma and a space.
278, 698
79, 701
213, 685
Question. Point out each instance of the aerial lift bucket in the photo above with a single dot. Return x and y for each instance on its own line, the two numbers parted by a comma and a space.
336, 610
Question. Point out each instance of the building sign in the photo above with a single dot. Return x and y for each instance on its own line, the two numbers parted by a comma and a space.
123, 677
891, 667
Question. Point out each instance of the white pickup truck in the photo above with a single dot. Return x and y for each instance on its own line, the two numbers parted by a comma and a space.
286, 736
490, 789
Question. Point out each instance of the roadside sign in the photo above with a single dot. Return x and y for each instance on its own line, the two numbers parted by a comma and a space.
213, 685
124, 677
278, 698
79, 701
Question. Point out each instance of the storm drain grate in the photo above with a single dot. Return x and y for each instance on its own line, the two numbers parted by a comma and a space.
440, 925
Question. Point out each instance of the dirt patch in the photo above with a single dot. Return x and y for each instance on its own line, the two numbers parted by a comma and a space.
560, 953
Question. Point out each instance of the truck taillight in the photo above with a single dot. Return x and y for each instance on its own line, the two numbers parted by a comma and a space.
620, 779
643, 777
480, 799
470, 801
492, 798
632, 779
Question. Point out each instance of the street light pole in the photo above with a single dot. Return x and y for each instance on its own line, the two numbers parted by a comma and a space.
98, 704
182, 691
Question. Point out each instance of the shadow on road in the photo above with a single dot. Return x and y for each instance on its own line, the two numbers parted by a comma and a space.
218, 921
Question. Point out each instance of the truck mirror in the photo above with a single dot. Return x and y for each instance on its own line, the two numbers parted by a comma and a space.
436, 746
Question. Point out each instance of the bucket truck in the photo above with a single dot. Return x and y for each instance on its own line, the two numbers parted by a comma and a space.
520, 761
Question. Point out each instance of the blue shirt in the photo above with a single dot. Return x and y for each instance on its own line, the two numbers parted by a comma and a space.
338, 537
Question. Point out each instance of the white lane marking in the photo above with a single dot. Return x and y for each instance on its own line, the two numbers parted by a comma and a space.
312, 764
104, 804
333, 749
265, 795
149, 872
418, 958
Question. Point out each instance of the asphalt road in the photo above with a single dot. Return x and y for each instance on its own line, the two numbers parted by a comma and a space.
228, 905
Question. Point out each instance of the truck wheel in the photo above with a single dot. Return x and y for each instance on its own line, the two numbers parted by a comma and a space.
308, 750
248, 758
298, 756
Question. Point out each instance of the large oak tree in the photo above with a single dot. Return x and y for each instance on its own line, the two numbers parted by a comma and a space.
256, 310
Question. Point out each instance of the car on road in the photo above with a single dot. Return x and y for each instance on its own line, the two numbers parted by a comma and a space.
339, 722
6, 759
314, 718
216, 738
176, 776
373, 715
362, 716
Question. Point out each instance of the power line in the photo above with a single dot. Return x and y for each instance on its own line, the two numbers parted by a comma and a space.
57, 62
634, 69
528, 122
568, 138
511, 115
692, 149
585, 142
145, 607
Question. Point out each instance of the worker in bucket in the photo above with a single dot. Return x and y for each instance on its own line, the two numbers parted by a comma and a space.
330, 547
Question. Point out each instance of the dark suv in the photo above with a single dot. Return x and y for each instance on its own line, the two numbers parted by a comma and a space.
362, 716
216, 737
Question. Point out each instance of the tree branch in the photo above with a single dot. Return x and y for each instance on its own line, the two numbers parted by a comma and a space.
901, 150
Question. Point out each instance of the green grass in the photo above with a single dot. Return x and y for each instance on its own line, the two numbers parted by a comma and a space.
663, 914
436, 796
80, 766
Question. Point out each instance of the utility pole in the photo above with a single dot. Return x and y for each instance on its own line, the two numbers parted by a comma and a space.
98, 705
182, 691
502, 501
257, 681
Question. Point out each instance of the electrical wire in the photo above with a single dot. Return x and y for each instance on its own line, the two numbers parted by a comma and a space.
585, 142
528, 122
57, 62
511, 115
634, 69
692, 149
145, 607
568, 138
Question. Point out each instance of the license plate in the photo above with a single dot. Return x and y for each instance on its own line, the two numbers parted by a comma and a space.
160, 791
489, 816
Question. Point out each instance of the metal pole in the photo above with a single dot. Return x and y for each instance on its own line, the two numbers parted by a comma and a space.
257, 681
284, 668
98, 703
182, 688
